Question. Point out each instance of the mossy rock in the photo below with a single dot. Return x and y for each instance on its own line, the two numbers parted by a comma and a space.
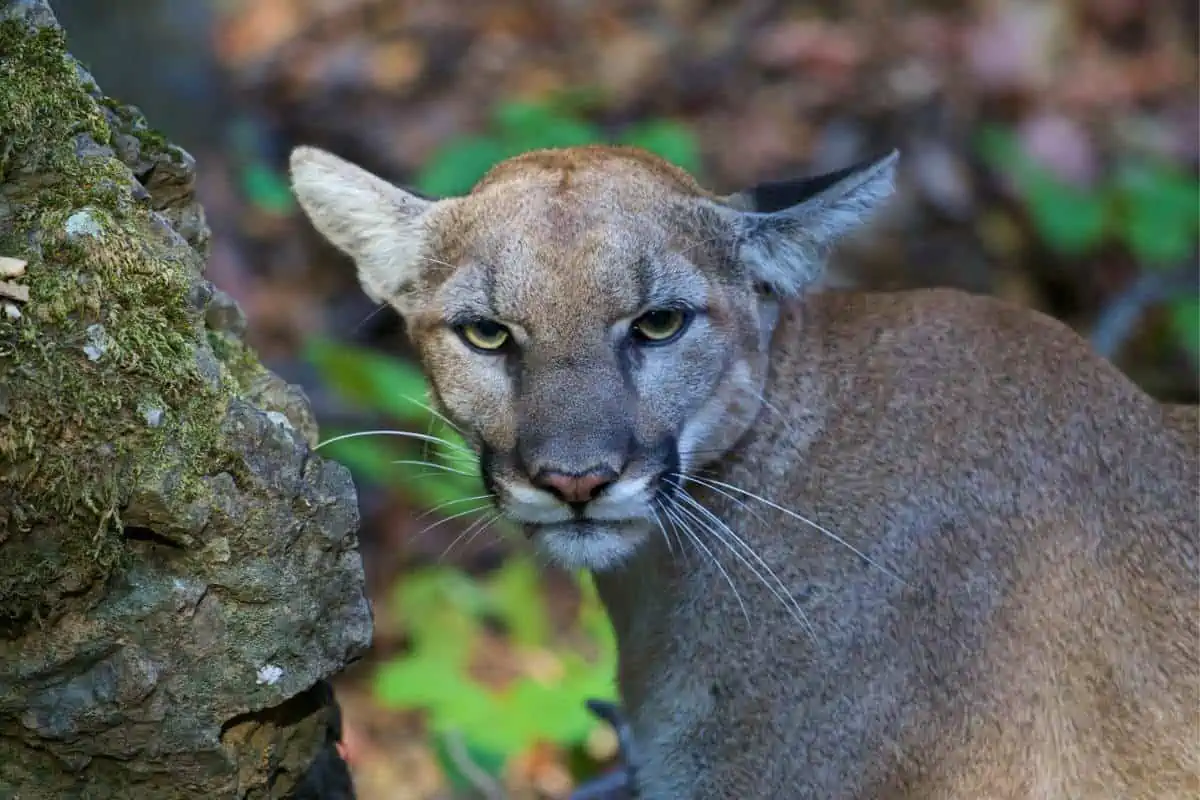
107, 338
178, 571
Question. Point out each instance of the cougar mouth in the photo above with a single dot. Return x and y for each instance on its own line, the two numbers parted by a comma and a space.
589, 543
581, 527
594, 535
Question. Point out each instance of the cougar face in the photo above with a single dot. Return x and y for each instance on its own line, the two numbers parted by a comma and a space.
593, 321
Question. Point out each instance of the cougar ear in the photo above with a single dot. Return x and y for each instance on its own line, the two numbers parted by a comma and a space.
784, 230
380, 226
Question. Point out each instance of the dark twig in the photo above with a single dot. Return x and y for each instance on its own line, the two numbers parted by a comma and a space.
620, 784
1118, 320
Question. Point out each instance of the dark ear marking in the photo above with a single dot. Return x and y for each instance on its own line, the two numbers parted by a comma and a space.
784, 231
772, 196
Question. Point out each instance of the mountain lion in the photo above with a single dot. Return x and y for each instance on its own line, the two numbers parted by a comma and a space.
908, 545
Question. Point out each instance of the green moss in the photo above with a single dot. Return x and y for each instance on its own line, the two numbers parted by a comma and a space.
107, 326
134, 124
241, 362
35, 113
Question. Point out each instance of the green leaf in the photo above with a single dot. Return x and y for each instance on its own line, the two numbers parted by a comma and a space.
1071, 220
267, 189
595, 623
459, 164
422, 681
517, 119
576, 100
1185, 319
1156, 240
527, 126
440, 607
372, 380
550, 713
998, 147
1161, 208
531, 126
450, 748
517, 596
561, 132
670, 140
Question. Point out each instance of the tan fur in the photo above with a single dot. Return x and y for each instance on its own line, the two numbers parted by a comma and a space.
976, 576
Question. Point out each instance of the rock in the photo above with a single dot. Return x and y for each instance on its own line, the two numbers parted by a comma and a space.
222, 313
179, 573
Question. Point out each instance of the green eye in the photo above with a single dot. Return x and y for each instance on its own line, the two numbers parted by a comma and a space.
660, 325
484, 335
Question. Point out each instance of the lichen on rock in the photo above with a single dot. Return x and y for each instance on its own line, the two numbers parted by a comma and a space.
163, 540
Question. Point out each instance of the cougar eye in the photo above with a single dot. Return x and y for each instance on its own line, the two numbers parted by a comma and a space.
660, 325
484, 335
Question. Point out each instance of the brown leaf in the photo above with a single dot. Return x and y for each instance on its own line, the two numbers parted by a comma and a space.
396, 65
257, 30
629, 62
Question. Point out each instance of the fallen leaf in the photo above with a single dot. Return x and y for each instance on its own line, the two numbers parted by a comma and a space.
395, 65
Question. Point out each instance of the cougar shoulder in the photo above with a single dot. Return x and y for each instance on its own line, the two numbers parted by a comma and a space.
991, 535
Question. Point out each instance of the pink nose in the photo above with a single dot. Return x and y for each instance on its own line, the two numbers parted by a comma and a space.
575, 488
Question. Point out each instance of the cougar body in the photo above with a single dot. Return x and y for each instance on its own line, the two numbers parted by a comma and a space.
853, 545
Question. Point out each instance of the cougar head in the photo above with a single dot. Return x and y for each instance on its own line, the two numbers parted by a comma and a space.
595, 322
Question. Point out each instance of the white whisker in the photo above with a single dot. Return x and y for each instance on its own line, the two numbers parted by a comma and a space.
657, 506
438, 262
433, 411
778, 589
787, 423
435, 465
369, 317
444, 520
487, 525
476, 525
454, 502
428, 432
403, 434
676, 520
662, 529
716, 485
439, 472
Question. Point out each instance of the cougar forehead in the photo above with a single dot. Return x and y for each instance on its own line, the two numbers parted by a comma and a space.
557, 240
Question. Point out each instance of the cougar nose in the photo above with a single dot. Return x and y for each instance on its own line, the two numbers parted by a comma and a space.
575, 489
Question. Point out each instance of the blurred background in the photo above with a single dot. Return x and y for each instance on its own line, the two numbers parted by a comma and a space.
1050, 154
